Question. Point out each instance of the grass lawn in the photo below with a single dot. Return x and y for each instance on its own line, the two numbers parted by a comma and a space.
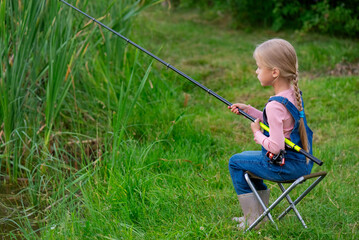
221, 59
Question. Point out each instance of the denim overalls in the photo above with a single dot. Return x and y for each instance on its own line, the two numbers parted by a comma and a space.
258, 163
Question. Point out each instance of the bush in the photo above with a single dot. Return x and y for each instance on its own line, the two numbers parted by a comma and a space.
247, 13
203, 4
328, 16
339, 20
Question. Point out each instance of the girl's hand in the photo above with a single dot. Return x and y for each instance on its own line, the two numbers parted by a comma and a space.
241, 106
255, 126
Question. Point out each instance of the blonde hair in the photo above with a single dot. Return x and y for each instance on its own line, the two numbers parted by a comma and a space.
280, 54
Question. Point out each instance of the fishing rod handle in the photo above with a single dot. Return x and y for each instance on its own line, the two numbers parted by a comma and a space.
295, 147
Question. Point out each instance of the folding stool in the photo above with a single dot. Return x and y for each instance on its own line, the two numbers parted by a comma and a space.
285, 193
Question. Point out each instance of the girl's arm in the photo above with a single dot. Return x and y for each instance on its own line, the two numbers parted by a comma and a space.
254, 112
247, 109
276, 113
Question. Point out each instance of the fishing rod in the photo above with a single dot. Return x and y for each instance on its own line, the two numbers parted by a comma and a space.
209, 91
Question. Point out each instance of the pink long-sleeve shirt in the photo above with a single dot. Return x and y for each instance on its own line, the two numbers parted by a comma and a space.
280, 121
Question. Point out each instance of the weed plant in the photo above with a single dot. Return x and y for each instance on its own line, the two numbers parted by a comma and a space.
114, 146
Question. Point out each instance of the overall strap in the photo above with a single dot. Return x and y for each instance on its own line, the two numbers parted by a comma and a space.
288, 104
294, 136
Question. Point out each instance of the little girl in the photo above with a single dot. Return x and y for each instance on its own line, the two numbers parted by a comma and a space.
277, 66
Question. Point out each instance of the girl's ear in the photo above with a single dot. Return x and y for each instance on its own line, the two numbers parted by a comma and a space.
275, 72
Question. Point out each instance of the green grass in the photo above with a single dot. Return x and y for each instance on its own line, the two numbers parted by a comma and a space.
135, 153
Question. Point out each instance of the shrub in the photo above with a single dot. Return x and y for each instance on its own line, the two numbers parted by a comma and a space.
203, 4
247, 13
328, 16
339, 20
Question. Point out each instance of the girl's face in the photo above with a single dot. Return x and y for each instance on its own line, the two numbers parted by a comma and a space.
264, 74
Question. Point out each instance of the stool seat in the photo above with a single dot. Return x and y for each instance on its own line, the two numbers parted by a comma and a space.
306, 177
285, 194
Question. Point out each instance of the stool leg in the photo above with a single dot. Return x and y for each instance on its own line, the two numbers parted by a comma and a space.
275, 203
315, 183
292, 206
259, 199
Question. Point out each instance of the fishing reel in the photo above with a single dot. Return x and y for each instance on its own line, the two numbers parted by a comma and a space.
277, 159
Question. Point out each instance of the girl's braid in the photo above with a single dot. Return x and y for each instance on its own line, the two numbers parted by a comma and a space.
297, 92
302, 130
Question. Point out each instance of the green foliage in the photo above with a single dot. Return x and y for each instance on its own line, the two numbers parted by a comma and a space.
40, 56
328, 17
317, 16
322, 16
338, 20
19, 49
286, 14
252, 13
204, 4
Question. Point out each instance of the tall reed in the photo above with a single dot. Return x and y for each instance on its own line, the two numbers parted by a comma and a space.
67, 91
62, 65
19, 46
